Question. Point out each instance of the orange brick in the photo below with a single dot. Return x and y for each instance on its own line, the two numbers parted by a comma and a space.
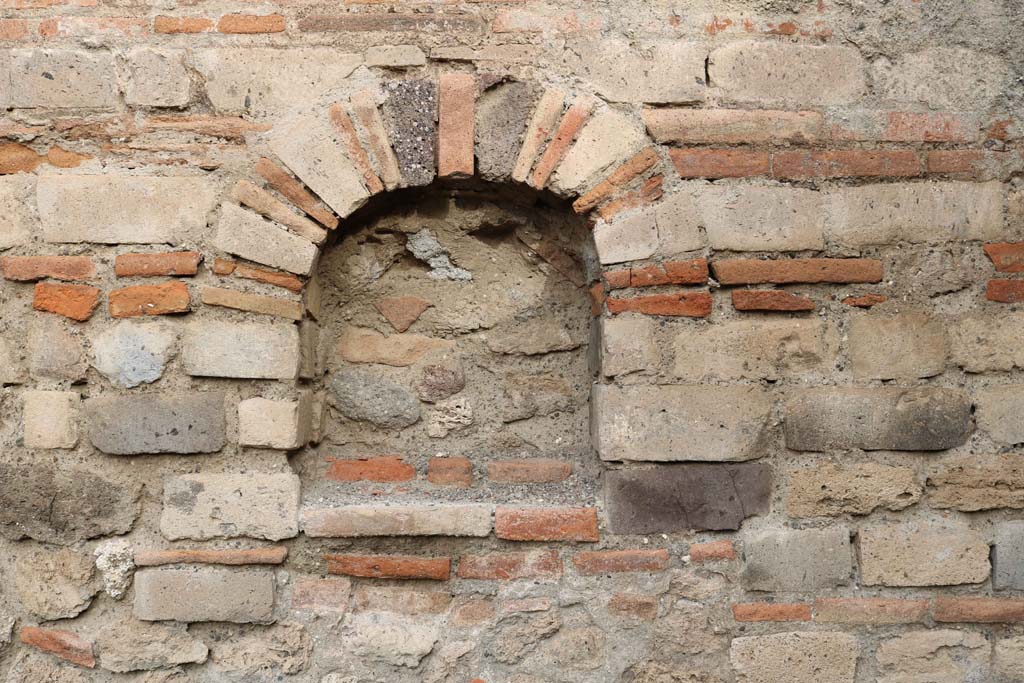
865, 300
720, 163
164, 24
742, 271
979, 610
390, 566
869, 611
620, 561
17, 158
251, 23
1007, 257
162, 299
712, 551
684, 304
455, 128
571, 124
597, 297
296, 193
269, 277
540, 564
77, 302
223, 266
622, 176
648, 193
64, 644
771, 611
347, 130
845, 163
28, 268
450, 472
153, 265
694, 272
546, 524
528, 471
769, 300
383, 468
13, 29
1005, 291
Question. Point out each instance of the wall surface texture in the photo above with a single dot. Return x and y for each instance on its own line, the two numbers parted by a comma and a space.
512, 341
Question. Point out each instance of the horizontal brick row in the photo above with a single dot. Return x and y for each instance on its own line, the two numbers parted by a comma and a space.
965, 610
449, 471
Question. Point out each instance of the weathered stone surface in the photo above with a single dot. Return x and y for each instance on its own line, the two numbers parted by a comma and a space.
330, 173
424, 246
157, 78
530, 337
161, 423
16, 213
60, 79
943, 655
907, 346
670, 72
363, 345
627, 238
246, 234
886, 213
502, 114
391, 638
942, 78
110, 209
449, 416
40, 501
743, 217
204, 594
410, 114
820, 657
54, 352
440, 378
998, 411
877, 419
748, 71
362, 395
395, 56
50, 419
281, 649
267, 423
980, 343
125, 646
608, 139
518, 635
859, 489
628, 345
1009, 658
245, 350
268, 79
398, 520
671, 498
691, 423
205, 506
922, 554
130, 354
977, 482
1008, 556
797, 560
54, 585
755, 349
114, 559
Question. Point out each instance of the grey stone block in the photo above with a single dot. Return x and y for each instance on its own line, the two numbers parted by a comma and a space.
204, 594
1008, 557
797, 560
502, 114
362, 395
157, 423
410, 114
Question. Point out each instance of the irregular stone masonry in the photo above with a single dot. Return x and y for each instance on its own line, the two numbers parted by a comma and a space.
517, 349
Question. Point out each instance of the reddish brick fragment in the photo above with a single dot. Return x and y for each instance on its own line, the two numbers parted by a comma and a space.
154, 558
597, 297
327, 595
870, 611
1008, 257
223, 266
635, 606
865, 300
619, 561
743, 271
617, 279
685, 304
979, 610
544, 564
153, 265
571, 124
845, 163
1005, 291
162, 299
251, 23
384, 468
455, 131
64, 644
771, 611
450, 472
528, 471
390, 566
693, 272
28, 268
904, 126
712, 551
296, 193
347, 130
622, 176
720, 163
648, 193
17, 158
164, 24
77, 302
546, 524
269, 277
769, 300
402, 311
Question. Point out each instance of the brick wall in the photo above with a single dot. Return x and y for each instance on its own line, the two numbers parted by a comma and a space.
511, 341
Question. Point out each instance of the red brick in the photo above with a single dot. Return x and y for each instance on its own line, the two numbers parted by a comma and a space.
13, 29
63, 644
928, 127
154, 558
347, 130
622, 176
77, 302
251, 23
1008, 257
540, 564
17, 158
383, 468
771, 611
712, 551
978, 610
269, 277
296, 193
648, 193
455, 127
870, 611
620, 561
390, 566
28, 268
153, 265
636, 606
164, 24
769, 300
528, 471
450, 472
223, 266
720, 163
1005, 291
432, 23
162, 299
617, 279
402, 311
690, 305
845, 163
956, 160
571, 124
694, 272
546, 524
743, 271
865, 300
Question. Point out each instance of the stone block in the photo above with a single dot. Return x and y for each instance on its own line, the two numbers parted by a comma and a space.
54, 352
946, 655
673, 498
397, 520
255, 505
50, 419
54, 584
59, 79
679, 422
191, 594
109, 209
157, 78
241, 350
607, 139
856, 489
157, 423
130, 354
623, 72
395, 56
905, 346
1008, 556
922, 554
977, 482
797, 560
998, 411
502, 114
942, 78
267, 423
678, 220
369, 397
763, 72
890, 418
1009, 658
130, 646
628, 345
17, 214
410, 115
755, 348
627, 238
246, 234
798, 657
744, 217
